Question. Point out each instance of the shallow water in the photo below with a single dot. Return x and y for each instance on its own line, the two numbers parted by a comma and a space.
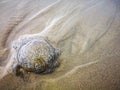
86, 31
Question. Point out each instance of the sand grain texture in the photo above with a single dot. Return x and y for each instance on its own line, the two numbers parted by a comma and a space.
86, 31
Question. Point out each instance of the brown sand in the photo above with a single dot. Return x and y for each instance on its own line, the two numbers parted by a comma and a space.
86, 31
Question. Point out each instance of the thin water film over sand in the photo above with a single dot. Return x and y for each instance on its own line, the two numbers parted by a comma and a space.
59, 45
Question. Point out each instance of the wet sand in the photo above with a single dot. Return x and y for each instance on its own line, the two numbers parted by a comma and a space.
86, 31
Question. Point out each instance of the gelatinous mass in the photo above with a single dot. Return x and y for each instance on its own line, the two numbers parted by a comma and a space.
35, 55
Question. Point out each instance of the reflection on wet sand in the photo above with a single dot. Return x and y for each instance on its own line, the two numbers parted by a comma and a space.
86, 31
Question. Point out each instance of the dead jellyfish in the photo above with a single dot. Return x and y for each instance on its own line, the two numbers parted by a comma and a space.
35, 55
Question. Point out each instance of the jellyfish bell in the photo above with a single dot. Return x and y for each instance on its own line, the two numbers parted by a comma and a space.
35, 55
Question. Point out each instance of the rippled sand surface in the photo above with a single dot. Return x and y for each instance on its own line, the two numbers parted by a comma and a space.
86, 31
